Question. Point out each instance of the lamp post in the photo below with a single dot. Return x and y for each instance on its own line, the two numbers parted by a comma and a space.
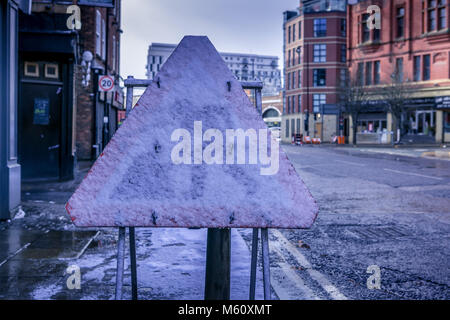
86, 65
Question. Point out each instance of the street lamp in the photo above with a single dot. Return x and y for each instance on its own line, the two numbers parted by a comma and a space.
86, 65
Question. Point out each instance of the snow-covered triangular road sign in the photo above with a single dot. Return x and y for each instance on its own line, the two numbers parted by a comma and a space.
166, 166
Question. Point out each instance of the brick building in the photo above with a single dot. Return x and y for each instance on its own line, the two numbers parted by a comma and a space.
315, 63
62, 117
413, 44
98, 113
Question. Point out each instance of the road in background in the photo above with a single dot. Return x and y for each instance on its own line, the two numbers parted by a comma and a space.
375, 209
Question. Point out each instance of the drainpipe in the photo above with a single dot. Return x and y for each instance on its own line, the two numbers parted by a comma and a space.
106, 106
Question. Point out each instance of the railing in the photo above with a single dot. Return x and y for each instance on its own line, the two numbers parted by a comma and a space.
131, 83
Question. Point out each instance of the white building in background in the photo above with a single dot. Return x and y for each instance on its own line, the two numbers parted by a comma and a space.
245, 67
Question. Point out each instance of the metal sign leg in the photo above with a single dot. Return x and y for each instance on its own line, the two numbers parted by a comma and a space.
134, 291
266, 262
254, 263
120, 263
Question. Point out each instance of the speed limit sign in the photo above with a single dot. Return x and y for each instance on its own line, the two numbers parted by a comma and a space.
105, 83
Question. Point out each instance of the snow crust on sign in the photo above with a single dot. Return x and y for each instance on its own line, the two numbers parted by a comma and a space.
135, 182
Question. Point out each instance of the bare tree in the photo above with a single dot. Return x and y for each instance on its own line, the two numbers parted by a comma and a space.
395, 96
353, 99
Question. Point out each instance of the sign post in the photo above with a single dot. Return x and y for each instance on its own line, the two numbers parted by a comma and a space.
218, 266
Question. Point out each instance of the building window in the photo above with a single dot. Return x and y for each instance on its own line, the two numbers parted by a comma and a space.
365, 28
318, 100
31, 69
299, 52
436, 14
400, 22
299, 79
298, 124
399, 69
376, 72
288, 81
51, 71
293, 80
320, 53
431, 15
293, 57
289, 104
447, 122
289, 58
289, 34
299, 30
320, 27
343, 53
423, 16
98, 33
442, 11
426, 67
320, 77
114, 52
299, 109
293, 32
103, 39
293, 125
343, 27
368, 73
360, 73
343, 77
287, 128
417, 68
376, 35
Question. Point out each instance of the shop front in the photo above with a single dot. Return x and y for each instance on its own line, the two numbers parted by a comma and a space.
372, 128
419, 123
424, 121
443, 109
45, 100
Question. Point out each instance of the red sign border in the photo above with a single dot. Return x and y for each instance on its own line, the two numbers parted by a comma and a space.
100, 86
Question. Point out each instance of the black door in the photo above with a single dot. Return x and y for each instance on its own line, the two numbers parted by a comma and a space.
40, 131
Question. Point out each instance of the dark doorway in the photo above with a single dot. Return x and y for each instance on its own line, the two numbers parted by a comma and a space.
40, 130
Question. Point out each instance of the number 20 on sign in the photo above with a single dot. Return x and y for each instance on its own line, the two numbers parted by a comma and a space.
105, 83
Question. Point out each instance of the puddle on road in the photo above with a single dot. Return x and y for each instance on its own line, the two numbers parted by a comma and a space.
51, 245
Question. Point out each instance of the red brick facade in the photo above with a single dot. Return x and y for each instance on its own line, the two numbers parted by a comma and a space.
315, 61
414, 40
91, 136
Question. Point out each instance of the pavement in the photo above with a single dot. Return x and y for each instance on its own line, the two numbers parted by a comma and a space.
38, 247
383, 209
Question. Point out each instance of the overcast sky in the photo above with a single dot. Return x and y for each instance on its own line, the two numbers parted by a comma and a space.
243, 26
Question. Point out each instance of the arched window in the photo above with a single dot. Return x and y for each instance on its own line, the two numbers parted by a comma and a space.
271, 113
